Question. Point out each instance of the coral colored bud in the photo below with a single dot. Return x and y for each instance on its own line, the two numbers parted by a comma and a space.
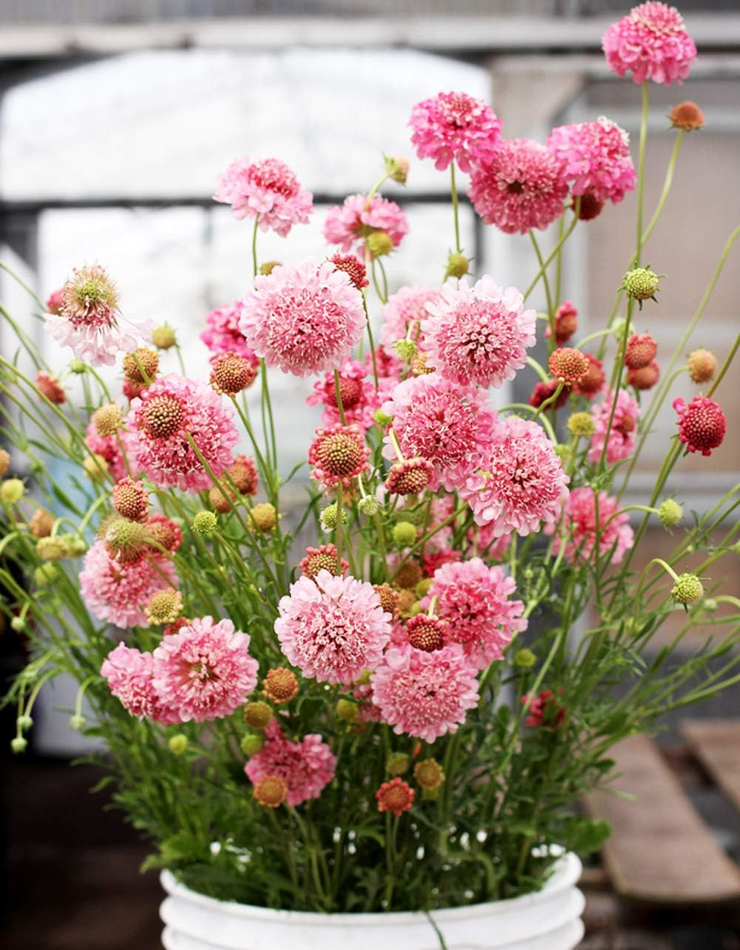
640, 351
395, 796
251, 744
50, 387
231, 373
271, 791
458, 265
131, 499
178, 744
4, 462
670, 513
55, 302
701, 424
221, 498
280, 685
347, 710
645, 378
11, 491
388, 598
702, 366
568, 366
409, 477
258, 715
687, 116
41, 524
687, 590
205, 522
352, 266
590, 206
426, 633
163, 337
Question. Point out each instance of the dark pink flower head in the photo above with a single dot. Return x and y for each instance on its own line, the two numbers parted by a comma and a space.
130, 679
222, 333
595, 157
349, 224
544, 710
701, 424
360, 398
475, 600
651, 42
519, 188
453, 126
338, 454
117, 591
615, 534
50, 387
353, 267
621, 437
332, 628
204, 671
519, 484
304, 319
448, 424
306, 767
55, 301
267, 188
406, 313
425, 694
161, 418
479, 335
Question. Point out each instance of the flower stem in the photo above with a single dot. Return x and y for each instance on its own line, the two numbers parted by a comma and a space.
455, 208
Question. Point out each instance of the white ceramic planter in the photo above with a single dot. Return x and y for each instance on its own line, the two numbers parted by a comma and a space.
547, 920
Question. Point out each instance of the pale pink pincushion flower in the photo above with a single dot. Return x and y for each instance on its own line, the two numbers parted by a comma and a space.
487, 544
349, 224
519, 188
267, 188
306, 767
406, 310
595, 158
360, 398
520, 483
117, 591
130, 679
161, 417
204, 671
448, 424
616, 536
621, 443
304, 319
453, 126
89, 320
112, 449
332, 628
479, 335
425, 694
222, 333
651, 42
475, 600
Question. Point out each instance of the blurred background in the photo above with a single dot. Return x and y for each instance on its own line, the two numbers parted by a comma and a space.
116, 116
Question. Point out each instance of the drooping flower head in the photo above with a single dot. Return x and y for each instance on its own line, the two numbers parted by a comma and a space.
332, 628
651, 42
520, 484
479, 335
645, 377
615, 534
204, 671
222, 333
89, 321
353, 267
701, 424
519, 188
566, 323
406, 313
595, 158
304, 319
543, 392
436, 419
50, 387
453, 126
351, 224
160, 421
425, 694
475, 600
306, 767
116, 591
621, 437
130, 678
268, 189
338, 454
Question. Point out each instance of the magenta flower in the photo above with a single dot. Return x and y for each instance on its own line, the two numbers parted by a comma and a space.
360, 398
351, 223
621, 443
453, 126
267, 188
615, 534
112, 448
306, 767
222, 333
651, 42
595, 157
701, 424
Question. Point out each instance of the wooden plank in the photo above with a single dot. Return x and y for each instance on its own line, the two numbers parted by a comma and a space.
660, 849
716, 744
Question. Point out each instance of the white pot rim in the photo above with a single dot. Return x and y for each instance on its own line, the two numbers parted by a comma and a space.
567, 871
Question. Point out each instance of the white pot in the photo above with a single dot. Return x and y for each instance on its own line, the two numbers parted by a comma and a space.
547, 920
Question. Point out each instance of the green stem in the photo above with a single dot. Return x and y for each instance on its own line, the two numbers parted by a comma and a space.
455, 209
666, 187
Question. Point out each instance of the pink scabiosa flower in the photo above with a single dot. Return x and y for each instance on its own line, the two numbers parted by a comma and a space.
479, 335
306, 767
448, 424
332, 628
651, 42
395, 796
519, 188
475, 600
453, 126
322, 558
129, 673
55, 301
338, 454
222, 333
171, 408
50, 387
89, 321
406, 313
566, 323
615, 534
621, 441
204, 671
353, 267
357, 391
116, 591
425, 694
594, 380
595, 158
482, 540
267, 189
701, 424
304, 319
519, 484
164, 531
544, 710
350, 224
112, 448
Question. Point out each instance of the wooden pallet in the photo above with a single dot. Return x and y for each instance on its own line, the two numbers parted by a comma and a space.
660, 850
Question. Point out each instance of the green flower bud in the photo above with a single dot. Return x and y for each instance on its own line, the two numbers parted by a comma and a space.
18, 623
369, 506
178, 744
710, 605
163, 337
524, 659
347, 710
397, 764
77, 366
687, 590
641, 284
77, 723
581, 424
51, 549
670, 513
19, 745
258, 715
406, 349
268, 267
95, 467
404, 534
11, 491
205, 522
329, 516
45, 574
458, 265
24, 723
381, 418
422, 588
397, 168
251, 744
379, 243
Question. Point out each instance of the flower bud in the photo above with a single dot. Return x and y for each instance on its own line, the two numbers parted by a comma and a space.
404, 534
77, 367
268, 267
178, 744
107, 419
19, 745
263, 517
687, 116
251, 744
670, 513
205, 522
687, 590
581, 424
641, 284
270, 791
77, 723
51, 549
458, 265
18, 623
95, 467
164, 606
429, 775
382, 418
163, 337
369, 506
524, 659
141, 366
41, 524
379, 243
24, 723
258, 715
397, 168
4, 462
347, 710
280, 685
45, 574
328, 516
702, 366
406, 349
397, 763
11, 491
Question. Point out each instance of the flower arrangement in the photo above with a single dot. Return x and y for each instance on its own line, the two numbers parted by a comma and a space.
374, 703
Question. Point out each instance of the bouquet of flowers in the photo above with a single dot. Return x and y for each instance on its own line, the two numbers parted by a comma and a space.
378, 701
